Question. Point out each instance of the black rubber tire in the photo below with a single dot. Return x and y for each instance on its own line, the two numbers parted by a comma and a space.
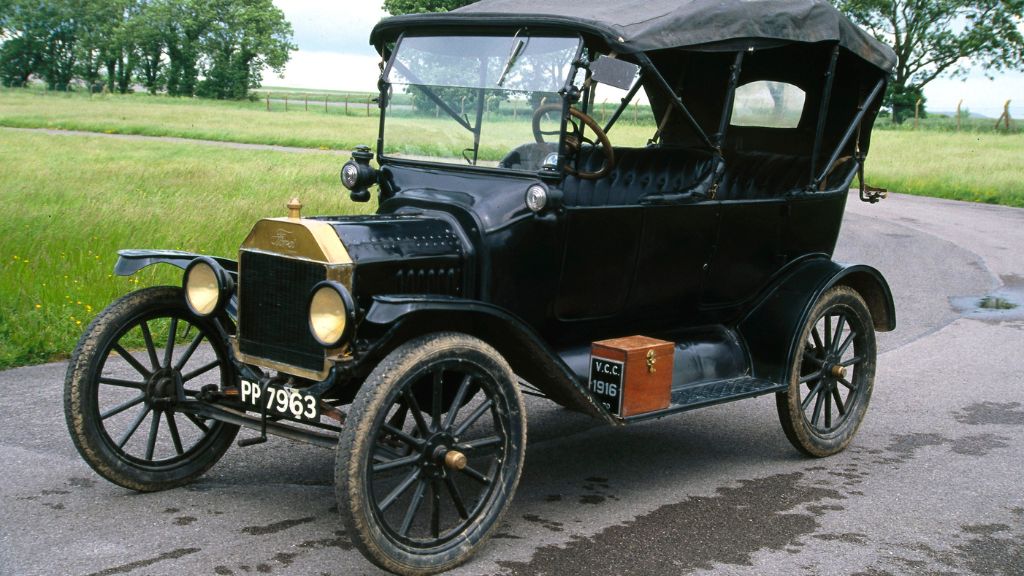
468, 370
88, 379
821, 349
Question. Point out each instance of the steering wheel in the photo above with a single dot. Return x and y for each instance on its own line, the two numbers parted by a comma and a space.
573, 141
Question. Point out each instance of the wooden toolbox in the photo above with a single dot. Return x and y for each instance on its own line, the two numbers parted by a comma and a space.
632, 375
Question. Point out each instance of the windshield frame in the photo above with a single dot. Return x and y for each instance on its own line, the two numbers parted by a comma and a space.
385, 87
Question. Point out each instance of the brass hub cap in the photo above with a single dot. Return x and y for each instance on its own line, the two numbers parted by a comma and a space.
838, 371
455, 460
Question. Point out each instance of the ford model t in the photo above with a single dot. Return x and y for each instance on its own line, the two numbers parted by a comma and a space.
527, 240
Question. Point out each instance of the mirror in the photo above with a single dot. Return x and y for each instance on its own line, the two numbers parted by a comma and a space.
614, 72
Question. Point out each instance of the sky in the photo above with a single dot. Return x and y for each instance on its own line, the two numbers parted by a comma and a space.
334, 53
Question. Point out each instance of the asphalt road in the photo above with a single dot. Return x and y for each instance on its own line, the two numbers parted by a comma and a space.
931, 485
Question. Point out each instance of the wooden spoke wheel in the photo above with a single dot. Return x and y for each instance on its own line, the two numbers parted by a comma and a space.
832, 375
432, 453
130, 380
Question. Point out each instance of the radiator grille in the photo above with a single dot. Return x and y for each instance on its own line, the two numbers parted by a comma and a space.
272, 318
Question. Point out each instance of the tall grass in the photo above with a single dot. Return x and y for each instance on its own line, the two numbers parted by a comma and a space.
71, 203
976, 167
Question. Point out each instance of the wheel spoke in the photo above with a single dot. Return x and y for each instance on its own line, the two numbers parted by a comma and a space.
839, 402
817, 408
172, 333
399, 490
414, 442
198, 423
852, 361
817, 340
173, 427
473, 445
476, 475
846, 383
417, 414
200, 371
811, 394
473, 417
414, 506
122, 407
189, 351
810, 377
435, 508
135, 426
453, 490
846, 344
840, 326
123, 383
153, 429
396, 463
131, 360
460, 396
828, 411
150, 347
437, 399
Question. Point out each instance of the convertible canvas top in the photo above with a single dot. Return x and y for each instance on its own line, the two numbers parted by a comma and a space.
629, 26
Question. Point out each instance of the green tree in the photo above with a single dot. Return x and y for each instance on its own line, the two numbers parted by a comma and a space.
396, 7
243, 37
933, 38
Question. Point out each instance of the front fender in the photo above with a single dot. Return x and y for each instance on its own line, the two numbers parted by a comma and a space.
400, 318
771, 329
131, 261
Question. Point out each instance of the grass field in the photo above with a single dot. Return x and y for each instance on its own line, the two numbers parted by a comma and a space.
72, 202
976, 167
229, 121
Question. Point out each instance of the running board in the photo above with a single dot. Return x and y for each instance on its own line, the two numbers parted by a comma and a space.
700, 395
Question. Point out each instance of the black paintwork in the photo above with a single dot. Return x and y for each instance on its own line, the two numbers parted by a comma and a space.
717, 237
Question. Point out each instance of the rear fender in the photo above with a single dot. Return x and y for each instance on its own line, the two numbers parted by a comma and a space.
400, 319
772, 328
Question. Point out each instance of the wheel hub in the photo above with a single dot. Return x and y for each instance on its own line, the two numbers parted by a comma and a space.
162, 388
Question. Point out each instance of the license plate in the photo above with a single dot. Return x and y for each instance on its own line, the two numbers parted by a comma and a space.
281, 401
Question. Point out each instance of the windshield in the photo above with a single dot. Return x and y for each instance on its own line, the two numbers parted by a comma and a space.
477, 100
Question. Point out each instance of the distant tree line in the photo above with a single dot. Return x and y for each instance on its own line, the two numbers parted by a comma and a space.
209, 48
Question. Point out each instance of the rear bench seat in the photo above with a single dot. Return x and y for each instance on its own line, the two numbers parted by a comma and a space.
675, 175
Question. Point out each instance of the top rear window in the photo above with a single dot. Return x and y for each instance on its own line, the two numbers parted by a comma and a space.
768, 104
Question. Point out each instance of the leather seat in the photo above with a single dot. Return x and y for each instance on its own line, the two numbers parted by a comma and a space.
643, 176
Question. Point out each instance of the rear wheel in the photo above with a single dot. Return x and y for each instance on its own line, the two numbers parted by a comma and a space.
138, 365
832, 375
431, 455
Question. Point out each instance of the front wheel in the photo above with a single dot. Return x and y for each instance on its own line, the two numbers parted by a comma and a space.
431, 455
832, 375
129, 384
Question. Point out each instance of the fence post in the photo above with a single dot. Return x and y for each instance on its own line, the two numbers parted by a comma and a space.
307, 102
917, 112
958, 104
1004, 117
515, 109
346, 104
285, 102
368, 99
268, 101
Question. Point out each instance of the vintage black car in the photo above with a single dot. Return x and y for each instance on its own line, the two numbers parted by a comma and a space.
622, 270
